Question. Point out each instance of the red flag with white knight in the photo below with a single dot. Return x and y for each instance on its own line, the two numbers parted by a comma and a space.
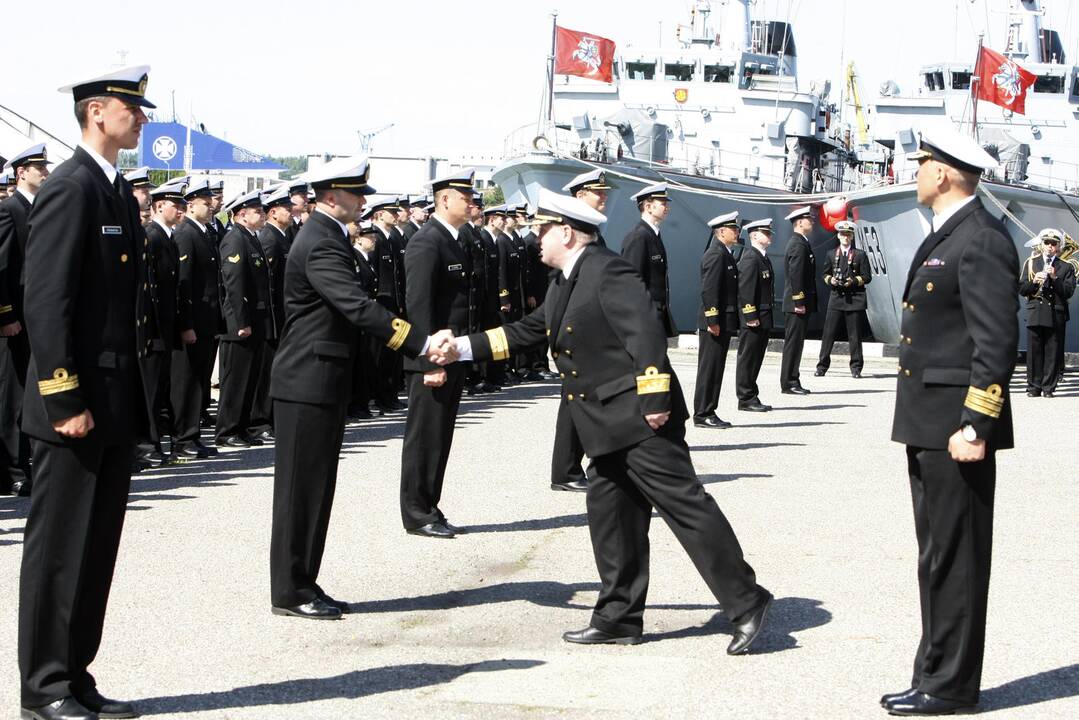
1002, 81
583, 54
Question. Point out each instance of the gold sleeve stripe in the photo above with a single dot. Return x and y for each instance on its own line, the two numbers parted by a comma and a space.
234, 258
6, 308
500, 344
61, 382
859, 279
987, 402
711, 312
749, 308
799, 296
401, 329
653, 381
504, 293
183, 257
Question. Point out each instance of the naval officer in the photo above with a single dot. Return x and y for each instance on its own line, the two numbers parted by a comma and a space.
1047, 283
643, 248
625, 401
591, 188
956, 356
139, 179
85, 311
756, 298
799, 298
325, 305
847, 275
718, 319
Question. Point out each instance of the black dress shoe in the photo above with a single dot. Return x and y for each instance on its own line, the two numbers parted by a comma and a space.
920, 703
711, 421
1034, 393
548, 375
22, 488
341, 606
571, 486
104, 707
755, 407
190, 450
1047, 393
252, 440
433, 530
63, 709
795, 390
264, 435
749, 629
819, 373
317, 609
233, 441
892, 697
856, 374
595, 636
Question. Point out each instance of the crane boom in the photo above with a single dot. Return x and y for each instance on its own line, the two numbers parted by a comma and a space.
856, 100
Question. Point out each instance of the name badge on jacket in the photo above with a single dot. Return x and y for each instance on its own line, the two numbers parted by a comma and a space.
112, 230
456, 266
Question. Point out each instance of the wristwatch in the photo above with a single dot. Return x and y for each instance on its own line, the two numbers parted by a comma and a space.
969, 433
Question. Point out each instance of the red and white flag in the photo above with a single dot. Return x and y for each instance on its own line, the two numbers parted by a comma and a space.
583, 54
1002, 81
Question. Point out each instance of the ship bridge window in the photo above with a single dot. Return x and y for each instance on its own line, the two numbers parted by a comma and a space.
718, 73
1049, 84
1075, 85
641, 70
960, 80
935, 80
678, 72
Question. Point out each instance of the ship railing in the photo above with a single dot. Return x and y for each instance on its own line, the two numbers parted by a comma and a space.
1058, 182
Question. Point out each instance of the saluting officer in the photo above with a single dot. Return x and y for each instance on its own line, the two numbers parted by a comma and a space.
626, 404
85, 308
591, 188
956, 356
1048, 283
440, 268
718, 319
643, 248
799, 298
29, 168
756, 296
324, 307
847, 275
249, 323
197, 281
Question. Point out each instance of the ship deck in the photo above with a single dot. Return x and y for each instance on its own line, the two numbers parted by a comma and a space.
471, 628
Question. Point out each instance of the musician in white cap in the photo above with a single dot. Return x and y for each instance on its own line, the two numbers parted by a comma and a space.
846, 273
718, 318
86, 304
1047, 282
799, 298
957, 347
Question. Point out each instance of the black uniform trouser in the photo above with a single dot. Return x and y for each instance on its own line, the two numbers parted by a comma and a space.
262, 404
953, 520
240, 363
794, 337
567, 454
833, 319
364, 371
627, 484
388, 376
711, 362
517, 361
432, 413
14, 444
1043, 349
190, 378
156, 364
752, 345
69, 553
307, 449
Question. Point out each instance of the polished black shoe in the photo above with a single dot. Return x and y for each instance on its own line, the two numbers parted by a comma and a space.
712, 421
548, 375
433, 530
233, 441
749, 629
920, 703
190, 450
795, 390
252, 440
533, 376
892, 697
856, 374
755, 407
63, 709
317, 609
1047, 393
819, 373
104, 707
486, 387
341, 606
571, 486
265, 435
22, 488
595, 636
1034, 393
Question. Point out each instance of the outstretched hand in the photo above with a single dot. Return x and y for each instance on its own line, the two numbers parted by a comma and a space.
441, 348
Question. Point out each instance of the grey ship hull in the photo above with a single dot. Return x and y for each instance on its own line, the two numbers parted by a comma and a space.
891, 226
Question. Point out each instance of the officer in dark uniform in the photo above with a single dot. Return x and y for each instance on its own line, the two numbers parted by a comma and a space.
627, 406
591, 188
474, 381
847, 274
643, 248
534, 278
417, 215
1047, 282
248, 309
365, 367
956, 357
799, 299
718, 320
493, 220
756, 297
391, 295
215, 232
29, 169
86, 306
197, 285
405, 229
139, 179
273, 237
324, 306
297, 194
398, 217
440, 268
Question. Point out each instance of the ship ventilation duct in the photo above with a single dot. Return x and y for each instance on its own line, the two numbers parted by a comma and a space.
641, 137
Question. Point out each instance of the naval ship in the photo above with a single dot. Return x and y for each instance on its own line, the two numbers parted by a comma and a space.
723, 120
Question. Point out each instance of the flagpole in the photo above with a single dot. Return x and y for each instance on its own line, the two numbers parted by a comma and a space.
550, 69
975, 80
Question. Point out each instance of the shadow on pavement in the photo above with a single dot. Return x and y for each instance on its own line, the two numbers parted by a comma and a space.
1055, 684
850, 392
743, 446
541, 592
710, 478
350, 686
788, 615
551, 523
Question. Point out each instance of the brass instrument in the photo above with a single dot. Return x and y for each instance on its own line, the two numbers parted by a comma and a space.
1068, 252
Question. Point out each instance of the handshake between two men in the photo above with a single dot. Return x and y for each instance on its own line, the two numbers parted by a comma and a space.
441, 350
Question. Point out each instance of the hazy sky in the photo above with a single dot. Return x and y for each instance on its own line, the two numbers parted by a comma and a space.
302, 77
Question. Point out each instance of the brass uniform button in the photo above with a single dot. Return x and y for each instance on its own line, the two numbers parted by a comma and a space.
901, 338
908, 341
907, 373
929, 287
569, 353
569, 329
562, 376
582, 397
570, 396
573, 373
123, 258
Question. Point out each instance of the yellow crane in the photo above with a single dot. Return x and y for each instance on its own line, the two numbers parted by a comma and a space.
856, 101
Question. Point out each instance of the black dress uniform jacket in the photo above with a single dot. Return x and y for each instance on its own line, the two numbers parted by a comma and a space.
198, 277
1047, 303
173, 312
247, 299
275, 247
644, 250
14, 230
800, 283
756, 288
509, 273
390, 270
719, 289
854, 265
958, 338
